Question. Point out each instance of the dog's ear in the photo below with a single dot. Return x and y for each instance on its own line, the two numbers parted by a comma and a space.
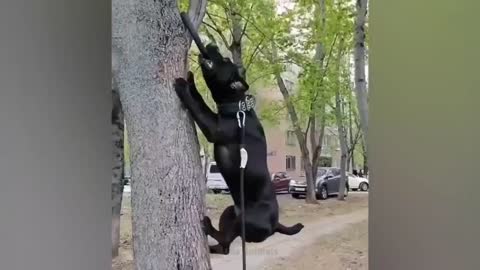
214, 53
214, 58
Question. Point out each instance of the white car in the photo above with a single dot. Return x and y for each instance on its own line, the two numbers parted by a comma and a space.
357, 182
215, 181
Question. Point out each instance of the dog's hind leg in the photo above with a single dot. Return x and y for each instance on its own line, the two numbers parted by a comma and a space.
217, 235
227, 233
289, 230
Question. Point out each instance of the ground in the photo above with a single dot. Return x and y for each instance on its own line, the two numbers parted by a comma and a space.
335, 236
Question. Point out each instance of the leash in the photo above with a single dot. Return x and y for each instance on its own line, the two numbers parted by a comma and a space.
243, 164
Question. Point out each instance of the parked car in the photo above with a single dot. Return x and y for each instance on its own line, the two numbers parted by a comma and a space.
215, 181
326, 184
281, 181
358, 183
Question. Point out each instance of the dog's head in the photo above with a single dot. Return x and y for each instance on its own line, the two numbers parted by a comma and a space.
222, 76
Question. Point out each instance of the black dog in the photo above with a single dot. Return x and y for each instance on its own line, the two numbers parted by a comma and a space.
261, 206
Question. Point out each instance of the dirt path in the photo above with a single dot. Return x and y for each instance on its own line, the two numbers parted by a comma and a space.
278, 247
327, 236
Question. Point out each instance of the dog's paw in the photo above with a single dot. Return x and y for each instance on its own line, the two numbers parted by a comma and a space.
181, 87
206, 224
299, 226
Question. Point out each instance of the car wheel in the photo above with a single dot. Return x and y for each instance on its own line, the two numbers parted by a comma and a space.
323, 193
296, 196
216, 191
363, 186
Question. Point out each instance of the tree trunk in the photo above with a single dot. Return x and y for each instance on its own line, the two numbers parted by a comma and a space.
351, 150
168, 191
342, 134
365, 159
237, 35
309, 175
360, 61
318, 145
205, 164
117, 170
310, 195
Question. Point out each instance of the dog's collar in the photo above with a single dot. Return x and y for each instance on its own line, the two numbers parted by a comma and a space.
245, 104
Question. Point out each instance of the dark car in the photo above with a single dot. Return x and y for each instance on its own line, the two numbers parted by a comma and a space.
281, 181
326, 184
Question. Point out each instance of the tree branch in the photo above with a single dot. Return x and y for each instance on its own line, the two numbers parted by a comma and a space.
216, 29
255, 52
246, 22
355, 142
225, 8
324, 74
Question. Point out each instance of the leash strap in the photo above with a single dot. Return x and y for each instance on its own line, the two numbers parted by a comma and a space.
243, 164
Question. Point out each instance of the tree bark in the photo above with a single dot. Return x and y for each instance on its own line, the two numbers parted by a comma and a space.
205, 165
317, 149
342, 134
365, 158
117, 169
168, 190
237, 35
351, 150
359, 63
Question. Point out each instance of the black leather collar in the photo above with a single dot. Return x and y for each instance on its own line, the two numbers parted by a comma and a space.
246, 104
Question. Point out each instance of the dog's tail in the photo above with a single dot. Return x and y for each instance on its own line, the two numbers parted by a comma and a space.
289, 230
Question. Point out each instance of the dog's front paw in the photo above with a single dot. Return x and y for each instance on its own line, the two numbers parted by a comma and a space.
181, 88
206, 224
299, 226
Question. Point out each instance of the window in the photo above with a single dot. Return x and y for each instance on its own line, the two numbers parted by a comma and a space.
290, 140
290, 163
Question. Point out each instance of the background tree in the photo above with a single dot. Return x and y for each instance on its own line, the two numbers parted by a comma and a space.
339, 116
312, 51
361, 91
167, 188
